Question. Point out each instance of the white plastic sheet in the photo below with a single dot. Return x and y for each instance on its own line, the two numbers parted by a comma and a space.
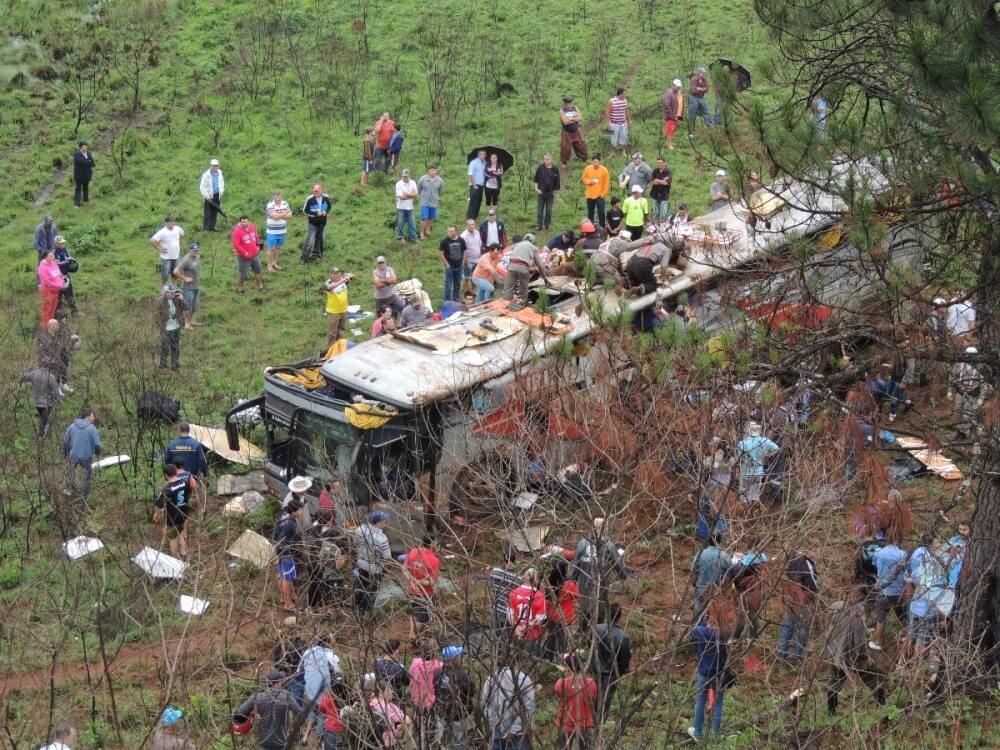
81, 546
159, 565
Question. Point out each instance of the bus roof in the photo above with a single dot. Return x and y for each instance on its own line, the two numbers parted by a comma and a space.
409, 374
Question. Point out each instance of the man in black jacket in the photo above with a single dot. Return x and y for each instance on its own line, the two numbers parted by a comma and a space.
546, 186
612, 659
83, 171
274, 711
317, 209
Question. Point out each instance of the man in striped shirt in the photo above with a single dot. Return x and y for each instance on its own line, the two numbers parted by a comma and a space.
278, 214
616, 112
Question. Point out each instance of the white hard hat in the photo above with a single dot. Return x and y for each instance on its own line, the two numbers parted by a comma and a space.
971, 350
677, 82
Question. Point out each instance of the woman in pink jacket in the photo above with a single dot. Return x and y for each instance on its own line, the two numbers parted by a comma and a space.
52, 281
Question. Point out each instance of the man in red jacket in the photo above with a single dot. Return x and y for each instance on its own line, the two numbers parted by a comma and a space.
526, 610
422, 567
247, 247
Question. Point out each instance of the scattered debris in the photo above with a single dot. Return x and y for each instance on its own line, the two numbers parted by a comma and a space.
214, 439
248, 502
158, 565
238, 484
529, 539
109, 461
190, 605
935, 461
253, 548
81, 546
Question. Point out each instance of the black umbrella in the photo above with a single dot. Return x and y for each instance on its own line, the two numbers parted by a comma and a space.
504, 156
741, 73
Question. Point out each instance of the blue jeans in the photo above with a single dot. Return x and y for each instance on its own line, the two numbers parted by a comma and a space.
484, 289
698, 105
701, 687
661, 210
405, 217
452, 283
514, 742
795, 626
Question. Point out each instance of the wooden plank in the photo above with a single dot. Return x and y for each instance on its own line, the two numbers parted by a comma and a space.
214, 439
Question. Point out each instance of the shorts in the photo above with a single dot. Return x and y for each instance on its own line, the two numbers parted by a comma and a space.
286, 569
243, 266
367, 165
191, 298
923, 629
885, 604
428, 213
669, 127
275, 240
619, 133
175, 521
419, 611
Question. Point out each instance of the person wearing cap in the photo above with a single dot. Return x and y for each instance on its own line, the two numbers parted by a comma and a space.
336, 304
68, 266
697, 105
44, 238
168, 735
188, 273
212, 187
455, 698
636, 211
572, 140
406, 191
288, 540
247, 247
63, 738
961, 316
968, 389
415, 313
273, 710
660, 181
673, 111
453, 258
51, 282
477, 184
547, 184
384, 280
83, 173
618, 119
297, 488
488, 273
317, 210
492, 231
429, 188
278, 213
596, 186
753, 453
636, 172
187, 453
167, 241
718, 193
372, 552
523, 255
168, 316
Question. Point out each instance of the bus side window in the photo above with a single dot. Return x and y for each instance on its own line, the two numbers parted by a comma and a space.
279, 444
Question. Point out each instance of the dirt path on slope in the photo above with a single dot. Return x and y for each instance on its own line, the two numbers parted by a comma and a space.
598, 120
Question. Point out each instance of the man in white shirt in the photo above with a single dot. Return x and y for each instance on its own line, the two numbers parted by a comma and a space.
212, 186
167, 242
278, 213
473, 247
406, 191
961, 315
64, 738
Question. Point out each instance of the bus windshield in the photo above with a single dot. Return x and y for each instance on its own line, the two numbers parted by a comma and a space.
324, 447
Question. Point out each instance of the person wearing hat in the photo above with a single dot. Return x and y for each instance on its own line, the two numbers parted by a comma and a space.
415, 313
168, 735
753, 453
660, 181
596, 186
384, 280
697, 105
523, 255
188, 273
68, 265
83, 173
636, 172
168, 316
718, 193
406, 191
572, 139
297, 489
44, 238
212, 187
288, 540
636, 211
673, 111
455, 698
492, 231
968, 389
316, 210
167, 241
372, 552
336, 304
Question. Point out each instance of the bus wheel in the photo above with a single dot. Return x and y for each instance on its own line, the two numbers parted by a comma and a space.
482, 488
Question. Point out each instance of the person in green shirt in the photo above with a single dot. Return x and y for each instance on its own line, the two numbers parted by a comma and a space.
636, 210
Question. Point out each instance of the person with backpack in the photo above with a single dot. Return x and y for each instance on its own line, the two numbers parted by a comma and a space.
508, 700
577, 694
799, 588
287, 540
455, 698
612, 659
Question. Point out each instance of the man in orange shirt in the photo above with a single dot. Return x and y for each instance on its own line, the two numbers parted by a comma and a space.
596, 184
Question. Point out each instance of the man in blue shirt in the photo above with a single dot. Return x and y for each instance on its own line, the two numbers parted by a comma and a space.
477, 181
754, 451
890, 567
929, 578
80, 444
708, 569
185, 452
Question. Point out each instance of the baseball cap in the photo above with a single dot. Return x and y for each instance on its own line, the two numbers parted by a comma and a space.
720, 173
939, 302
971, 350
194, 247
491, 212
682, 207
171, 716
214, 163
637, 188
59, 240
406, 173
625, 234
334, 270
378, 517
170, 288
677, 82
47, 217
451, 652
567, 99
529, 237
380, 259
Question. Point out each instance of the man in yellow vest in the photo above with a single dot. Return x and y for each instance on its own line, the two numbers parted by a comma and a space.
336, 303
636, 210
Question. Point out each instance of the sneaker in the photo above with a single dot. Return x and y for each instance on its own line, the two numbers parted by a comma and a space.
874, 646
693, 735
